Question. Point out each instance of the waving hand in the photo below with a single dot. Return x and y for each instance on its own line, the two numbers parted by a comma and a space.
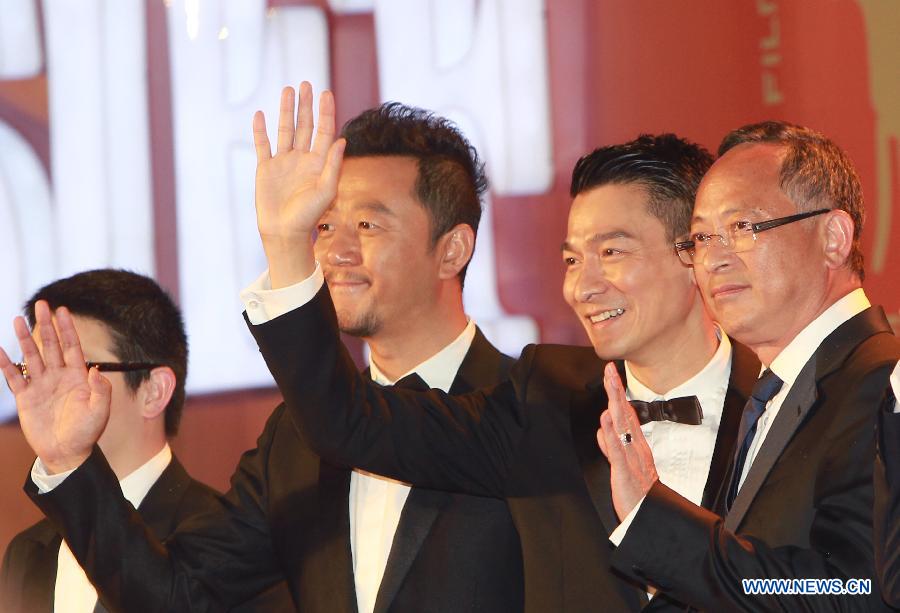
295, 186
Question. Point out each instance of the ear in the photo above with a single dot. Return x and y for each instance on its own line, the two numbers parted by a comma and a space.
838, 235
455, 249
157, 391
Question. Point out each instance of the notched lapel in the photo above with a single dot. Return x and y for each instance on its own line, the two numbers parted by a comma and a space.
586, 408
39, 578
744, 372
482, 366
333, 525
793, 411
419, 514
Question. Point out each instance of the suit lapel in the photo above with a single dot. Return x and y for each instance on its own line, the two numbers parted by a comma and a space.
800, 400
333, 523
585, 412
797, 404
39, 582
483, 366
158, 507
744, 372
419, 513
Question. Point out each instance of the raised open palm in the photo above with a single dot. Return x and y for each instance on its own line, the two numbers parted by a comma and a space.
296, 185
63, 409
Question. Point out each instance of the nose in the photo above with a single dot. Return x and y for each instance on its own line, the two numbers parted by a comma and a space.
717, 256
591, 281
343, 248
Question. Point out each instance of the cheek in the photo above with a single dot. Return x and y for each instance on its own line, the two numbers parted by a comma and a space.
568, 287
630, 279
320, 248
765, 267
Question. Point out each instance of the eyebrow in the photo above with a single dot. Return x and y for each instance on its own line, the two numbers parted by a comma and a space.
375, 207
732, 211
600, 237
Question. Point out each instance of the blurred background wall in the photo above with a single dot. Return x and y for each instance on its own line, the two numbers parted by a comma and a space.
125, 141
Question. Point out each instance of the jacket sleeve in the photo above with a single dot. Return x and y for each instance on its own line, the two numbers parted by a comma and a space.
213, 561
687, 552
429, 439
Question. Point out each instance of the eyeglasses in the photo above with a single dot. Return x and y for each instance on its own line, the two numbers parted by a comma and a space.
740, 236
102, 366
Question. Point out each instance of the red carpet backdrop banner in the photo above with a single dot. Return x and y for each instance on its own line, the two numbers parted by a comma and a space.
125, 128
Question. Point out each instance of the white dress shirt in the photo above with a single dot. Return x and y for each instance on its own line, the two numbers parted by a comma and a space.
895, 383
375, 502
791, 360
683, 453
787, 365
73, 593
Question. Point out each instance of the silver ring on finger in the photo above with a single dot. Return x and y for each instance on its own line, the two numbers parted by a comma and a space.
626, 438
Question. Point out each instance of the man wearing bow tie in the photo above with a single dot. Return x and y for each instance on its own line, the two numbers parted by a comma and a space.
532, 440
394, 248
635, 298
775, 244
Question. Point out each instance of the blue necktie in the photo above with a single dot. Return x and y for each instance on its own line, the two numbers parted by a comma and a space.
765, 389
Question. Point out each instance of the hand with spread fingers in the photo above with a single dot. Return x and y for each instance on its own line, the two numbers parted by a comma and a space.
295, 186
63, 408
632, 470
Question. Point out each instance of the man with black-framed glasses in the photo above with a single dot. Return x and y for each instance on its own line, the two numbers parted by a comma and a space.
775, 246
132, 332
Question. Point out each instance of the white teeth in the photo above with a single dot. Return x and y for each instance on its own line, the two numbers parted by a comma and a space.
606, 315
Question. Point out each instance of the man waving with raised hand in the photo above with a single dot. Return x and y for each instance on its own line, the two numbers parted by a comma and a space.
531, 440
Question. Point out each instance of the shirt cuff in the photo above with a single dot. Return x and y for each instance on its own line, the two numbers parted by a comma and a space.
619, 533
895, 384
44, 481
263, 304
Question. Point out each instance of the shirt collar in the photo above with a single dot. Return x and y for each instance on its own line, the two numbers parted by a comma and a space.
788, 364
895, 383
136, 485
713, 376
439, 370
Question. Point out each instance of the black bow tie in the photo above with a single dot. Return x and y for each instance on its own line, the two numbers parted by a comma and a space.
413, 382
685, 410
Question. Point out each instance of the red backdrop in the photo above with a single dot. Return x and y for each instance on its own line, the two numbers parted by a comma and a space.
616, 69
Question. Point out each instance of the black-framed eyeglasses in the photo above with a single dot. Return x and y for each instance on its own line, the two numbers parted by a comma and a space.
103, 366
740, 236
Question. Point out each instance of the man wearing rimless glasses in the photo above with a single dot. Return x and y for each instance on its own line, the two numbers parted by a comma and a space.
775, 247
132, 332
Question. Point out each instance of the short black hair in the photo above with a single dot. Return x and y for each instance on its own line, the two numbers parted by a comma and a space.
815, 173
450, 180
143, 321
667, 166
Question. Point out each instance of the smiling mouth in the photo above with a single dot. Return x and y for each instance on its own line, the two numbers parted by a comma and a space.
727, 290
604, 315
345, 280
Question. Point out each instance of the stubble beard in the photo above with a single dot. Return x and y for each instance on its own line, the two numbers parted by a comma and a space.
364, 325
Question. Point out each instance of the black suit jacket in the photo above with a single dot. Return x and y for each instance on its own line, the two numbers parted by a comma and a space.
530, 440
887, 503
29, 566
286, 516
805, 508
450, 553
